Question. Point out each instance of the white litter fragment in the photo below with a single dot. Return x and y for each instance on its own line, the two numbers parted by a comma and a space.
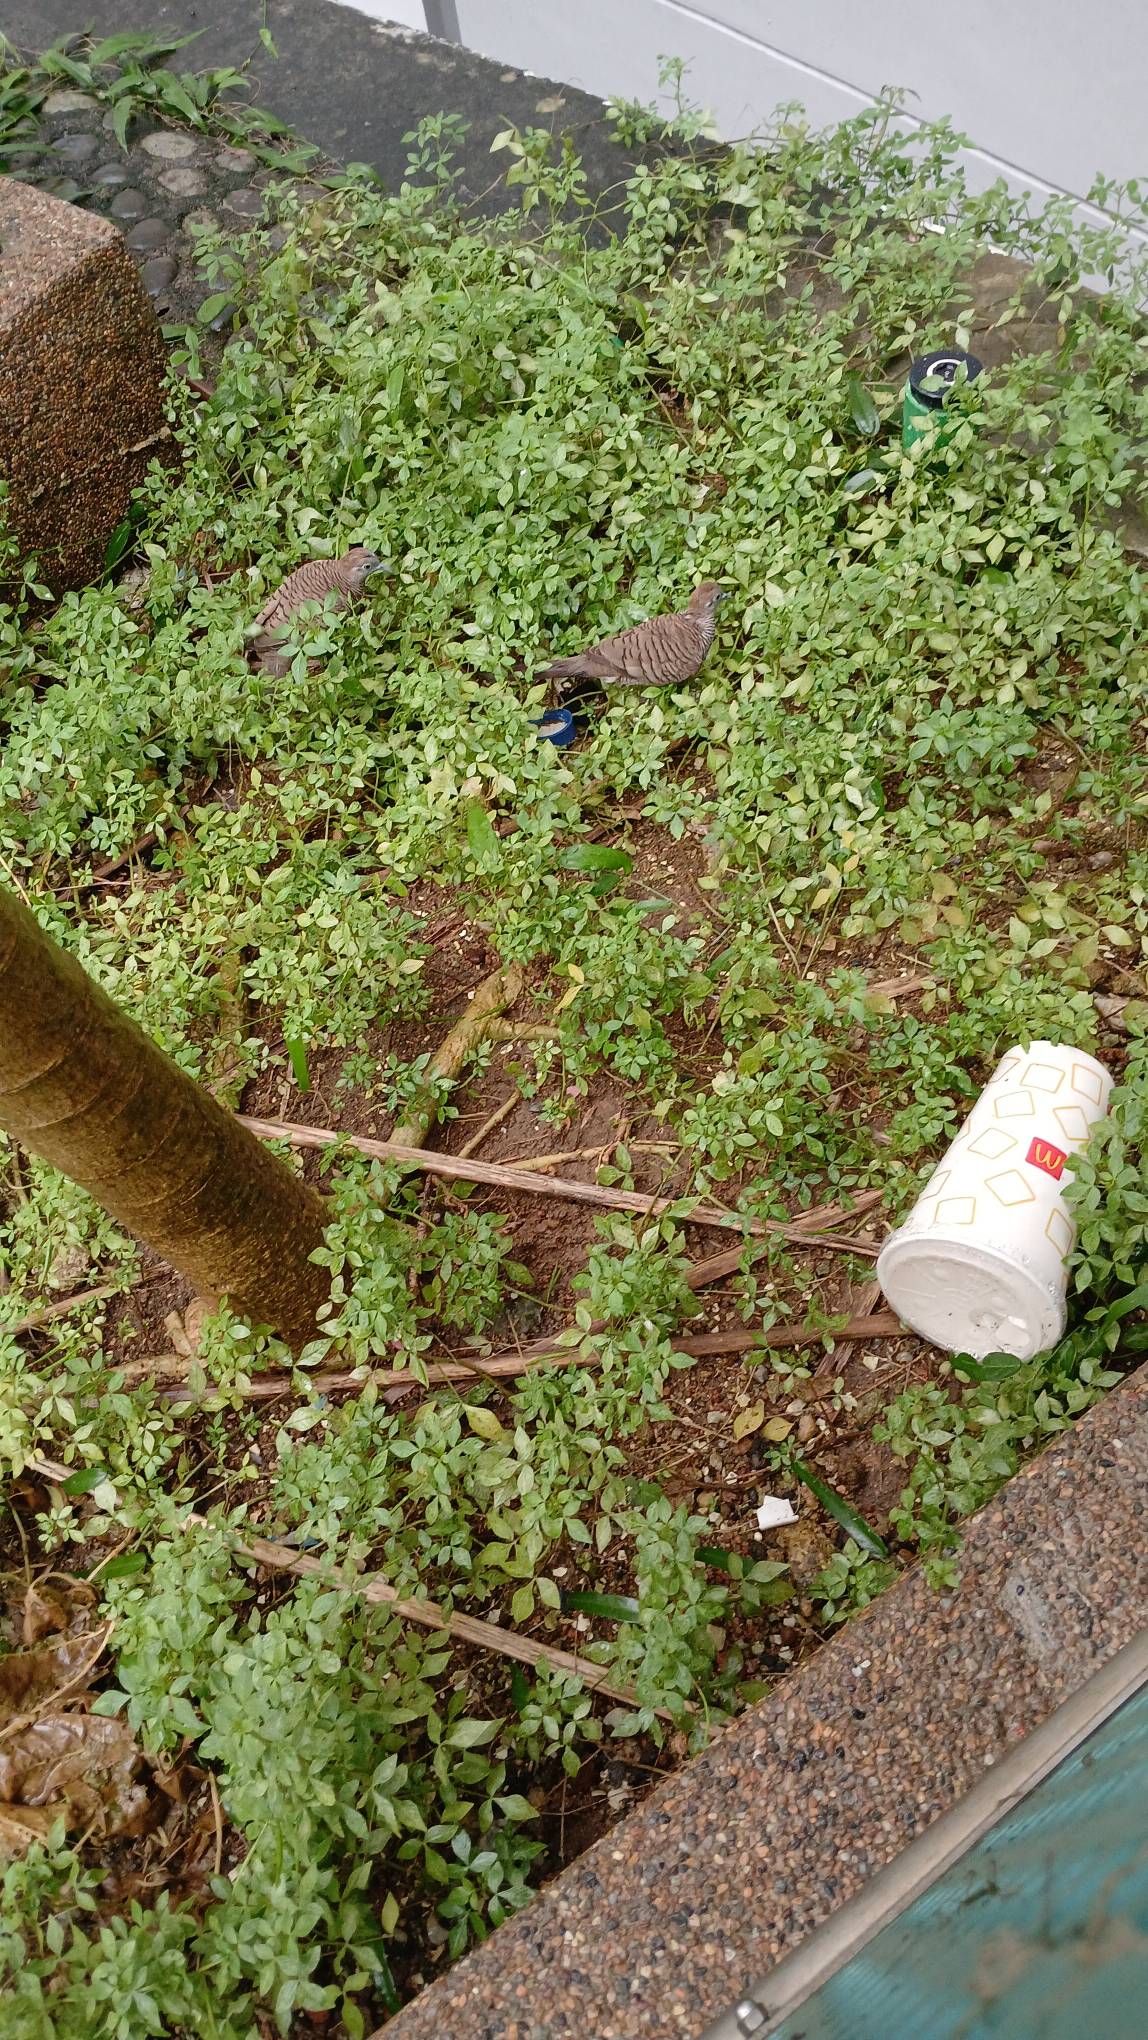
774, 1511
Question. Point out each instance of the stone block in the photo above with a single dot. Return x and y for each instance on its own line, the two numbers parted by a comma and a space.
82, 366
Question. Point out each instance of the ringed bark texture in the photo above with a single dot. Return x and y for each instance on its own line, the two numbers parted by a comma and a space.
83, 1087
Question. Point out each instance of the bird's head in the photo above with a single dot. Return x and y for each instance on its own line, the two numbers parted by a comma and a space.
363, 563
706, 598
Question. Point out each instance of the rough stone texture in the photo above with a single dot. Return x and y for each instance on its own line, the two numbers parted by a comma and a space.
147, 237
662, 1925
350, 84
81, 374
76, 148
247, 203
67, 102
234, 162
129, 204
158, 275
183, 183
170, 147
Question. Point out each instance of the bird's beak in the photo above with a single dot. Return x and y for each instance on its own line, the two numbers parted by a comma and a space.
722, 595
376, 567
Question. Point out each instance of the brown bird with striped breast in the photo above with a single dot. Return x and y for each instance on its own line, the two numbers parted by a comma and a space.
662, 652
333, 583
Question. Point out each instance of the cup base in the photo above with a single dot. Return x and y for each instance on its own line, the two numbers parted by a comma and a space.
968, 1298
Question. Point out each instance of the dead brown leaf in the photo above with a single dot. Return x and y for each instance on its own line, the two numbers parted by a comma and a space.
44, 1615
82, 1766
20, 1826
30, 1677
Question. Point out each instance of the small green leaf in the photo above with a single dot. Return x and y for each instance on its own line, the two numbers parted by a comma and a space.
480, 833
863, 411
516, 1806
723, 1560
212, 306
483, 1422
121, 120
596, 857
994, 1367
522, 1603
297, 1054
520, 1689
611, 1607
841, 1511
125, 1566
469, 1735
110, 1702
83, 1482
177, 96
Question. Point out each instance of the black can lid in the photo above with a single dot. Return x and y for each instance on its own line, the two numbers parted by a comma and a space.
942, 365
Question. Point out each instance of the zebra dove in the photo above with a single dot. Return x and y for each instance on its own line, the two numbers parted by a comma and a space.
662, 652
333, 583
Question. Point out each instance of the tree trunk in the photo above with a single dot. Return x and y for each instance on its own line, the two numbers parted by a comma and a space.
82, 1086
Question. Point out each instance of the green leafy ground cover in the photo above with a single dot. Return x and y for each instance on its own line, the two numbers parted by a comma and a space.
917, 751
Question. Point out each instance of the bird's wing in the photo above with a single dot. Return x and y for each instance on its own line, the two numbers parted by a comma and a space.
312, 582
658, 653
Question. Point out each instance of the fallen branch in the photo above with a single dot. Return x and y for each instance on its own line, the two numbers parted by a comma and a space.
469, 1170
36, 1318
426, 1614
810, 1226
702, 1275
900, 988
492, 997
504, 1366
136, 849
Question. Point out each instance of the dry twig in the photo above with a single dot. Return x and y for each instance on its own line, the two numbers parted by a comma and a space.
503, 1111
470, 1170
426, 1614
67, 1304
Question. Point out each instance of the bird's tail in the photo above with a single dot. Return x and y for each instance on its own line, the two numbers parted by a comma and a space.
564, 669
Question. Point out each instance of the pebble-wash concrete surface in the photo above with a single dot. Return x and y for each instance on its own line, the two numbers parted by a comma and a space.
81, 382
664, 1923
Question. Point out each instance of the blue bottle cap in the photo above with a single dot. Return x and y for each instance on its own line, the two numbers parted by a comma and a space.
557, 726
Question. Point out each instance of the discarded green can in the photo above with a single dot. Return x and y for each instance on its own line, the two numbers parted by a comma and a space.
931, 377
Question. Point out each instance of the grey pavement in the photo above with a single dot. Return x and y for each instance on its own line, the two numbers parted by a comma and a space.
352, 86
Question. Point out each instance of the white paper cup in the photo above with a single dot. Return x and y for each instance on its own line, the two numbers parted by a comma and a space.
979, 1264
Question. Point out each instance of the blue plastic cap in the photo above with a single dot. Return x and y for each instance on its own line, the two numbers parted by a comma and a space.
557, 726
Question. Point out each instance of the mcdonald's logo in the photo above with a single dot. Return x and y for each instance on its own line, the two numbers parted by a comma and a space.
1043, 1155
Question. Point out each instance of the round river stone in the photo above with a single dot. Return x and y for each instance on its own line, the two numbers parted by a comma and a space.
129, 205
170, 147
183, 183
157, 274
75, 148
148, 236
